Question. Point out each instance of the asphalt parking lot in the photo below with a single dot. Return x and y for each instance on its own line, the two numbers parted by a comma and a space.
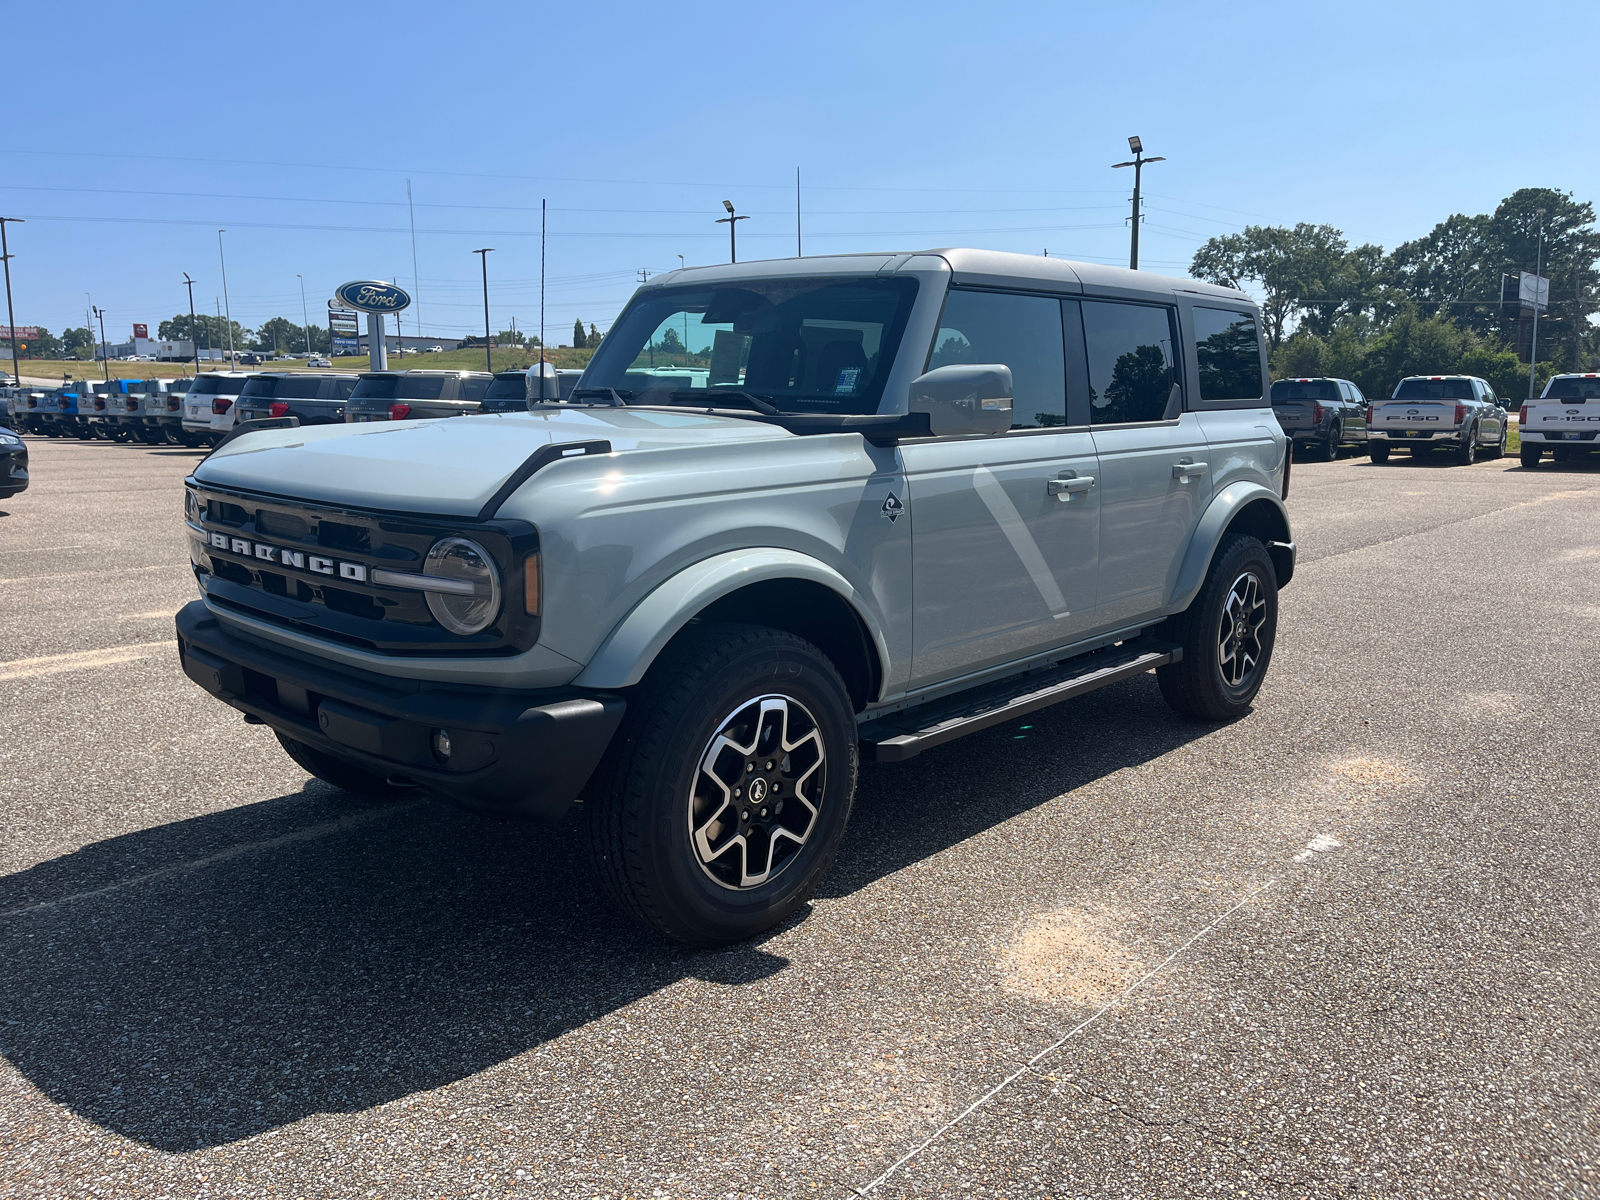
1345, 946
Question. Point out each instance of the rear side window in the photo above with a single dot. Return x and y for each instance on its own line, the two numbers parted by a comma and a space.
1434, 389
1286, 390
1132, 368
1024, 333
1228, 354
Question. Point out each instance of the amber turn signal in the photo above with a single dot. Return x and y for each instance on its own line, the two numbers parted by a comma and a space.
530, 584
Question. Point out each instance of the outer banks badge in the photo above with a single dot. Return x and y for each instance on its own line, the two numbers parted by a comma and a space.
892, 508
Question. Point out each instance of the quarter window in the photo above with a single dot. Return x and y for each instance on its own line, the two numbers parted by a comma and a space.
1228, 354
1024, 333
1132, 368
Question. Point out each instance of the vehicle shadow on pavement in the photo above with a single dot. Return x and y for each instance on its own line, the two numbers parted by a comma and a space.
205, 981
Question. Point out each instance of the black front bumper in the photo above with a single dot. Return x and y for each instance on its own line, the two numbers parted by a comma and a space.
512, 753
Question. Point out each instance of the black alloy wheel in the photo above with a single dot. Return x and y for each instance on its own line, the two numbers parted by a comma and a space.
726, 791
1227, 634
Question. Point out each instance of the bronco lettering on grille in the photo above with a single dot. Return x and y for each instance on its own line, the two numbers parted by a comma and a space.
297, 559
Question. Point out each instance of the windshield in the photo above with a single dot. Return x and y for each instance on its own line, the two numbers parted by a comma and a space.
1587, 388
419, 387
374, 387
1434, 389
1304, 389
806, 345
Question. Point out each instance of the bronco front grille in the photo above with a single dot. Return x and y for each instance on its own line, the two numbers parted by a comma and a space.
309, 567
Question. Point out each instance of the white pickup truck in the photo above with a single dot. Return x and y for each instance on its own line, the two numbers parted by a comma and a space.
1459, 413
1565, 420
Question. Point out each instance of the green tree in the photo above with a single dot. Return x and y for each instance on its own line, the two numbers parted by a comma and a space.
511, 337
579, 338
280, 335
212, 332
77, 343
593, 340
1305, 273
671, 343
46, 345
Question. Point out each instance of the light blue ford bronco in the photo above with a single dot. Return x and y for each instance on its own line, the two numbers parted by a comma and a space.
796, 512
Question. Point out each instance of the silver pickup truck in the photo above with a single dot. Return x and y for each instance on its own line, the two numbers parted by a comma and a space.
1458, 413
795, 513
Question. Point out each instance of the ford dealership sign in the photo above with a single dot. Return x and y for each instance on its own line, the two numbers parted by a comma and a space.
372, 296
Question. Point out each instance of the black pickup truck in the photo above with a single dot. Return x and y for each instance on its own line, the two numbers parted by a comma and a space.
315, 399
1321, 415
417, 395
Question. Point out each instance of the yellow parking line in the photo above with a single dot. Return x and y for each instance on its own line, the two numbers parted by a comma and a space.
53, 664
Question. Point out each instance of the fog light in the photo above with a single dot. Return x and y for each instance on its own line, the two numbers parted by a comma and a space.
441, 743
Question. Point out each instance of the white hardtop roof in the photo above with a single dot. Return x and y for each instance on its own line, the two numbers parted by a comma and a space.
967, 265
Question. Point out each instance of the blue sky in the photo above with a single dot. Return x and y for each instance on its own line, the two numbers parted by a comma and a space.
296, 127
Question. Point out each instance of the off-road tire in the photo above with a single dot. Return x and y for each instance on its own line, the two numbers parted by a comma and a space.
1531, 455
1467, 453
335, 771
1379, 451
640, 804
1195, 685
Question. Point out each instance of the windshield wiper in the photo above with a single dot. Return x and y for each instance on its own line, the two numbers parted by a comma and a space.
709, 397
611, 396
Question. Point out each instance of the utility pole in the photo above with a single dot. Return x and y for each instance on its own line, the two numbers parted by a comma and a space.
644, 275
416, 281
1577, 317
798, 252
228, 307
305, 316
732, 222
1538, 266
11, 316
542, 396
488, 354
105, 353
194, 333
1137, 163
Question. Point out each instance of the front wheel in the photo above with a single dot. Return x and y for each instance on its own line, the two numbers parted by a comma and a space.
1379, 451
1227, 635
726, 791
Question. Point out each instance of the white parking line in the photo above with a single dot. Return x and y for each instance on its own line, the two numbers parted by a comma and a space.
1057, 1044
299, 835
54, 664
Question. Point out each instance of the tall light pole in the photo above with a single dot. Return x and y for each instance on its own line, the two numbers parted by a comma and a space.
1538, 267
488, 354
732, 222
227, 308
105, 353
194, 334
305, 316
11, 316
1137, 163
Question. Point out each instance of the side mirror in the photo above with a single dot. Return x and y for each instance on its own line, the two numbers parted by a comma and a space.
972, 398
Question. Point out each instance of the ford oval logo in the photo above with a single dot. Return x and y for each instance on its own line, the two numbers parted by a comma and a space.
372, 295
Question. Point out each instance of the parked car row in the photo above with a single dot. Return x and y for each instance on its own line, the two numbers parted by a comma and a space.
204, 410
1456, 413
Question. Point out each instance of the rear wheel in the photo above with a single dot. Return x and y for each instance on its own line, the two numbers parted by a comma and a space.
1329, 450
1227, 635
1467, 452
1379, 451
728, 787
1531, 455
335, 771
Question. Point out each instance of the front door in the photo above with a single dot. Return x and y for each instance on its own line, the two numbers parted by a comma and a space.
1005, 530
1154, 478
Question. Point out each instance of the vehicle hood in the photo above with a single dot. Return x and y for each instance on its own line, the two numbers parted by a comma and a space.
447, 466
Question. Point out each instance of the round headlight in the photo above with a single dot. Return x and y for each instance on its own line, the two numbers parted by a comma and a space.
458, 559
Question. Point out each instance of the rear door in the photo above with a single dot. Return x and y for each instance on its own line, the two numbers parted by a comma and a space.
1154, 477
1005, 529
